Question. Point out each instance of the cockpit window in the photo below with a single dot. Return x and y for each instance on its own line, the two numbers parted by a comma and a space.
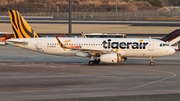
163, 44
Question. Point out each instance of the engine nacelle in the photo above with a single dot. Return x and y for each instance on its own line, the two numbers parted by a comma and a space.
82, 54
110, 58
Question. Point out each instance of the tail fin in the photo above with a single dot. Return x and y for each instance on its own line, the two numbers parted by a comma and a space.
173, 39
20, 27
171, 36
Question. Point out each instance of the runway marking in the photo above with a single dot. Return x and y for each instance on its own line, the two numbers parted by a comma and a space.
22, 65
153, 82
44, 65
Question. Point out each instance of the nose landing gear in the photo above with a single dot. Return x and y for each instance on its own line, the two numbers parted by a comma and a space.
151, 61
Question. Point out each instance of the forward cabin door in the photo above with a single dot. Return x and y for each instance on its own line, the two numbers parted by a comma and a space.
151, 45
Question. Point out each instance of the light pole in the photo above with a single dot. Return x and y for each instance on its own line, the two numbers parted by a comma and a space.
70, 24
116, 5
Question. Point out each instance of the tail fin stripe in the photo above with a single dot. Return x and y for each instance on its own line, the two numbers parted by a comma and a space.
15, 33
12, 17
18, 22
25, 29
14, 25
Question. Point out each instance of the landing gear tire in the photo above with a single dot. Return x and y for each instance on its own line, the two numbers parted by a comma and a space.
151, 63
91, 63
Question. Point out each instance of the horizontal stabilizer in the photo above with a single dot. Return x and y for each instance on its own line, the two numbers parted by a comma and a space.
19, 42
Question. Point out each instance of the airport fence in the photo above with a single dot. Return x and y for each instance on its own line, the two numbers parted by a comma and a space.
103, 15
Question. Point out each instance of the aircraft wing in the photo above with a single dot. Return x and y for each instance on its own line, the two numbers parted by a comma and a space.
90, 51
93, 51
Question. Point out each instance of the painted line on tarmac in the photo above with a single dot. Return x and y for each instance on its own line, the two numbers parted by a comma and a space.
153, 82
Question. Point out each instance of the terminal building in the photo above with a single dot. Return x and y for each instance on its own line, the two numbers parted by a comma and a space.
103, 35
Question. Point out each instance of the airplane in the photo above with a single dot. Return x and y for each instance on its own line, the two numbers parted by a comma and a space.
107, 50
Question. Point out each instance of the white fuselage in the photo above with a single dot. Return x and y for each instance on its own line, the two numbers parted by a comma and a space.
127, 47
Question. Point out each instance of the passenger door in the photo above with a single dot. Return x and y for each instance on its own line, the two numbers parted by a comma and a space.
39, 44
151, 45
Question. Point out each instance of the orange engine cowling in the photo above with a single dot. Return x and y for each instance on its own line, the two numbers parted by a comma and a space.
110, 58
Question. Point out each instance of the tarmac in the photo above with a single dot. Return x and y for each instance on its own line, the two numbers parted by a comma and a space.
32, 76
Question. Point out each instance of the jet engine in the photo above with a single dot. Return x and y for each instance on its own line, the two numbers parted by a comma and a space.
110, 58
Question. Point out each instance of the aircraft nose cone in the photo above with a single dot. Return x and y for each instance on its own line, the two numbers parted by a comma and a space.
171, 51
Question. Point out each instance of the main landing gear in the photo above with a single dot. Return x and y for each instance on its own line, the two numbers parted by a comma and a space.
94, 61
151, 61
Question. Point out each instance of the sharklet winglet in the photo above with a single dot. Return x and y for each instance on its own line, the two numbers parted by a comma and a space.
60, 43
